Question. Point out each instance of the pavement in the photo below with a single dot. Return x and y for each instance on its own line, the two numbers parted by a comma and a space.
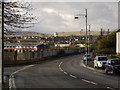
6, 83
90, 65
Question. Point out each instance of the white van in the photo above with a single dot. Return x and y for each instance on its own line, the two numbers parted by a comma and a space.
100, 61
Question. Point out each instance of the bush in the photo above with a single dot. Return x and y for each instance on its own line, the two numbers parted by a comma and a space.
105, 51
114, 56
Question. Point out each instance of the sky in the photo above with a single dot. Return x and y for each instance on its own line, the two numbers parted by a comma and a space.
59, 16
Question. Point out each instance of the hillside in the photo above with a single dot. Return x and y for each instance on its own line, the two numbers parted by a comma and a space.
76, 33
79, 33
26, 33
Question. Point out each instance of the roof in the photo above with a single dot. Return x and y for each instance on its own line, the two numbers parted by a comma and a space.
118, 30
22, 44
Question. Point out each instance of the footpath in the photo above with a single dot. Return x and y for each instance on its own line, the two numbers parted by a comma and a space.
5, 85
90, 65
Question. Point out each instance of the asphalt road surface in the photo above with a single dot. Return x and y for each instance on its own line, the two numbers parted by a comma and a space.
64, 72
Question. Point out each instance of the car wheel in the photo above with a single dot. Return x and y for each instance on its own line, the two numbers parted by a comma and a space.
106, 71
109, 72
97, 66
112, 71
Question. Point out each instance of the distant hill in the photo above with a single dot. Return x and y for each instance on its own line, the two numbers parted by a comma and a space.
80, 33
30, 33
26, 33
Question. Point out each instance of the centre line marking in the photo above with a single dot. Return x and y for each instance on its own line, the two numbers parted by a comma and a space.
110, 88
89, 81
65, 73
73, 76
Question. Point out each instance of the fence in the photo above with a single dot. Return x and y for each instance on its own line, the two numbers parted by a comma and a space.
12, 58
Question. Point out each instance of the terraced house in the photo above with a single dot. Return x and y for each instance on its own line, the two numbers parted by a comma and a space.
118, 42
21, 47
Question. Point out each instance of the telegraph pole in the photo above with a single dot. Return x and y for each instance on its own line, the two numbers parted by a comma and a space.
86, 46
1, 43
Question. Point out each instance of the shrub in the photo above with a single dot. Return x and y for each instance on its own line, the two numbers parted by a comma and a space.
105, 51
114, 56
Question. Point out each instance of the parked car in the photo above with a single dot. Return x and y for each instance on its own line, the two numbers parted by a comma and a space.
88, 57
100, 61
112, 66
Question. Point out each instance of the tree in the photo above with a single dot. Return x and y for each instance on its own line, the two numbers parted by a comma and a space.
106, 44
17, 15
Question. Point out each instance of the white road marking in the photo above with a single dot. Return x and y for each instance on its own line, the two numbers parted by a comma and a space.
61, 70
60, 67
110, 88
89, 81
10, 83
73, 76
11, 79
94, 83
22, 69
65, 73
60, 63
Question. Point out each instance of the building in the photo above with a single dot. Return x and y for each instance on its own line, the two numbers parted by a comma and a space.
21, 47
55, 34
118, 42
62, 45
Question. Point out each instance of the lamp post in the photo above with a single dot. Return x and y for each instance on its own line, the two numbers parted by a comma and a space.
89, 40
86, 47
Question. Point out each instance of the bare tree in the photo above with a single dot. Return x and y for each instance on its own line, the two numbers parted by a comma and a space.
17, 15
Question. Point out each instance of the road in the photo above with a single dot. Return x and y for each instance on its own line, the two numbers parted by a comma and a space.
64, 72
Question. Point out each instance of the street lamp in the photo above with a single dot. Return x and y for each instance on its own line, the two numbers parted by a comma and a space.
89, 40
76, 17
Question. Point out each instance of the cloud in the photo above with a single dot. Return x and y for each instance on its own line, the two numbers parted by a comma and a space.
59, 16
49, 10
70, 0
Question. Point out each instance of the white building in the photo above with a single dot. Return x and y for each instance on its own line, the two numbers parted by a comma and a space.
20, 47
62, 45
55, 34
118, 42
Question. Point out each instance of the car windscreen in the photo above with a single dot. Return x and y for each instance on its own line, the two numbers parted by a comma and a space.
87, 55
102, 58
115, 62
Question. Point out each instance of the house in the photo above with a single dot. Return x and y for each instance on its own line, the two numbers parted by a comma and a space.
21, 47
62, 45
118, 42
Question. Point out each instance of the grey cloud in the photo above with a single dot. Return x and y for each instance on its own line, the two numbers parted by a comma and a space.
100, 15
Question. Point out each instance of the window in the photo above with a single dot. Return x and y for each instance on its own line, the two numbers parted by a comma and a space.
102, 58
115, 62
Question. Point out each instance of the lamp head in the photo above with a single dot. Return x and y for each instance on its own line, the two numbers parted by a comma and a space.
76, 17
